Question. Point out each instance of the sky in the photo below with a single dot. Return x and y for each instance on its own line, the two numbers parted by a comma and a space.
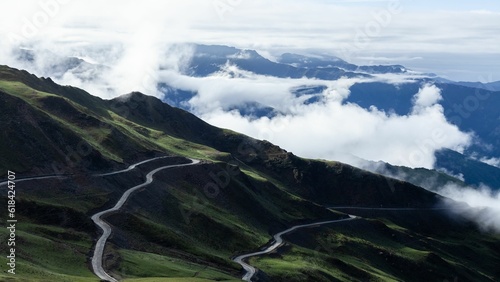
134, 40
456, 39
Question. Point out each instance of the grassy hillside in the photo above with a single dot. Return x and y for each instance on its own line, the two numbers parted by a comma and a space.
381, 250
190, 221
53, 133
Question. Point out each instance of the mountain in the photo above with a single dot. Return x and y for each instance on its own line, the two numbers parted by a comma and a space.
430, 179
470, 109
190, 221
57, 66
492, 86
330, 63
303, 61
474, 172
210, 59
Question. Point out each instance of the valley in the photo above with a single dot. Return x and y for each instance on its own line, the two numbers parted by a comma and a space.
87, 161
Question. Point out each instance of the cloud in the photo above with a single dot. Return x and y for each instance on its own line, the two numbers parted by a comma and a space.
330, 128
136, 47
484, 203
397, 60
480, 205
491, 161
426, 97
358, 30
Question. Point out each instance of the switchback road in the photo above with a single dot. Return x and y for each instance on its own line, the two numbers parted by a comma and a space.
278, 241
97, 258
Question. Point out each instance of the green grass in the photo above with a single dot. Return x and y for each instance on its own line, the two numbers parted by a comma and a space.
23, 91
48, 253
34, 98
173, 280
255, 202
146, 137
149, 138
140, 264
365, 251
84, 200
254, 175
299, 264
156, 139
215, 217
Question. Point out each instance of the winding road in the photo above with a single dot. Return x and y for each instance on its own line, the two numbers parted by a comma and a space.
97, 218
278, 241
34, 178
388, 209
64, 176
97, 258
130, 167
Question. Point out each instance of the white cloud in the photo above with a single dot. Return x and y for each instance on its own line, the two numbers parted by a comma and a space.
135, 40
330, 129
426, 97
484, 203
491, 161
478, 204
386, 60
359, 30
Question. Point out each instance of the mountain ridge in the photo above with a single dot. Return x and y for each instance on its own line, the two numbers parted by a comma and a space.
198, 217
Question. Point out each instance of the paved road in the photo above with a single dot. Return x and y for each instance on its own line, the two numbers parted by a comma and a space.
388, 209
99, 249
34, 178
278, 241
130, 167
97, 218
66, 176
63, 176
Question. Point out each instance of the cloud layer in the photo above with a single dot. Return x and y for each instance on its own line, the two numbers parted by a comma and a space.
330, 129
458, 43
133, 40
484, 203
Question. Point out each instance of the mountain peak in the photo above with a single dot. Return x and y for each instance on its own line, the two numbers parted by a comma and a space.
134, 95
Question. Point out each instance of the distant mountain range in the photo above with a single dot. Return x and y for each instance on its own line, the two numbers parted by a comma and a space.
473, 107
190, 221
492, 86
209, 59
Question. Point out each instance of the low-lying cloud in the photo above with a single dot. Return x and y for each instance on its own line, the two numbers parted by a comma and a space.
484, 203
330, 128
133, 44
480, 205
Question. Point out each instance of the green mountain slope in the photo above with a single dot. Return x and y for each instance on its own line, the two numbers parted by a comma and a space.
190, 221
